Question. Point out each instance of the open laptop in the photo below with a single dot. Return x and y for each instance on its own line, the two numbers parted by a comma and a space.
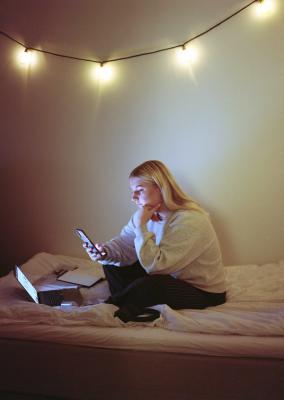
48, 297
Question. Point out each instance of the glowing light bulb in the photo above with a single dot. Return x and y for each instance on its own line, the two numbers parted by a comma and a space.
103, 72
187, 55
265, 7
27, 58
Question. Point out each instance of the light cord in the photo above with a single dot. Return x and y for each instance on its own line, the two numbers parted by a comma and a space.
102, 62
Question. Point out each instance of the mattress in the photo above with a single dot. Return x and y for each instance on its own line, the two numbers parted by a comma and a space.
250, 324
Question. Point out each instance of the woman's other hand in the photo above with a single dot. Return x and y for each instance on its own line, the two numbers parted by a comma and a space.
144, 214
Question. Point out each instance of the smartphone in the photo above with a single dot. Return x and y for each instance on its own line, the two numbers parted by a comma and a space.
84, 237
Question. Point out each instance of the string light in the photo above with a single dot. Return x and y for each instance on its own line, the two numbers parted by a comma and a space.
265, 7
186, 52
27, 58
103, 72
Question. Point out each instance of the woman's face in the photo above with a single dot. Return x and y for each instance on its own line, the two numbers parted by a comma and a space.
143, 193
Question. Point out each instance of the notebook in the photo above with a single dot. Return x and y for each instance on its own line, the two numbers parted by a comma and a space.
48, 297
80, 277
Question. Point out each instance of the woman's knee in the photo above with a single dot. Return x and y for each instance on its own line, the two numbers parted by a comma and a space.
146, 291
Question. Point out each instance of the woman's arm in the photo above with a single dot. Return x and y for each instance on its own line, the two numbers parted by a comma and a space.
186, 236
121, 249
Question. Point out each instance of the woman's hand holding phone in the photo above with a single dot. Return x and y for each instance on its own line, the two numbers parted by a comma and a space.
96, 251
93, 253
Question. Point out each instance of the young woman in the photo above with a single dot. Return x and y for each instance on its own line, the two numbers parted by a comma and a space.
168, 253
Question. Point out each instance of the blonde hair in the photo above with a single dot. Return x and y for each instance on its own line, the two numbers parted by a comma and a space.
174, 198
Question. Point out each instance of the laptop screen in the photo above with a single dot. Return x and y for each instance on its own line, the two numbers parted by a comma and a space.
23, 280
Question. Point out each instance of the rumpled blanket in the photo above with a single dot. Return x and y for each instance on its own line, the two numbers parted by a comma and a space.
254, 307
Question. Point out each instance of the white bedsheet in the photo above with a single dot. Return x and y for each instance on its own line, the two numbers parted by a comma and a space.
252, 318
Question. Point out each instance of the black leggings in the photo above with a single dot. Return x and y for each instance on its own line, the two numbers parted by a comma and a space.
131, 285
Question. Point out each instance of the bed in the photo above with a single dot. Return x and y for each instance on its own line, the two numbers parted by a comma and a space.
234, 351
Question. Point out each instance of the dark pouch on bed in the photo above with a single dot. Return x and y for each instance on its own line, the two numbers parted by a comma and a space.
133, 313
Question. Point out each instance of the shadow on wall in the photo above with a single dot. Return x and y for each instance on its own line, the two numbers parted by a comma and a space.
29, 205
226, 243
37, 214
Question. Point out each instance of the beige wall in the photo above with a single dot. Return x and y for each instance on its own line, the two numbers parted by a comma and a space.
68, 144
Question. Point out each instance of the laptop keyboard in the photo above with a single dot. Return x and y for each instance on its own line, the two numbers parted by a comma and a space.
53, 298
